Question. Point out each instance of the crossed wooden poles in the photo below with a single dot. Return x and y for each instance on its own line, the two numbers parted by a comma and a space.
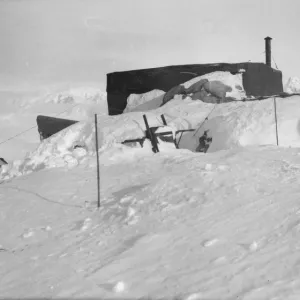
152, 135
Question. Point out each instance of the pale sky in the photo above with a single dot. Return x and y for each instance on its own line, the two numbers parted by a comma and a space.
79, 41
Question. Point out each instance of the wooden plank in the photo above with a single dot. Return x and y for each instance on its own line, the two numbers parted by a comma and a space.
151, 136
164, 120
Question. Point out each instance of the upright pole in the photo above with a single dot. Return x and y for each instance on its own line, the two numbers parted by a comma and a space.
268, 51
151, 136
164, 120
275, 111
98, 167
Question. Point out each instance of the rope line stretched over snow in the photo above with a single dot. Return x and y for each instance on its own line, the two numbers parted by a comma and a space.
33, 127
40, 196
205, 119
275, 62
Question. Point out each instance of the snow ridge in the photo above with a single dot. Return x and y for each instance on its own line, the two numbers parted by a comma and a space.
292, 85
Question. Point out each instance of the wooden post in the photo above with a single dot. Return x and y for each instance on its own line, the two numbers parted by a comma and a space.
151, 136
275, 111
165, 123
164, 120
98, 167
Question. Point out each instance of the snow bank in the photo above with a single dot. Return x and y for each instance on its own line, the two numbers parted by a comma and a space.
143, 102
64, 149
154, 99
292, 85
240, 124
235, 82
230, 125
233, 124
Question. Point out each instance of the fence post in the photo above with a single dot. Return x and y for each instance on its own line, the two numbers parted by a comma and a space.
275, 112
98, 167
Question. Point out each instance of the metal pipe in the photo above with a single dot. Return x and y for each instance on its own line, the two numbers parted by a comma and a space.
268, 51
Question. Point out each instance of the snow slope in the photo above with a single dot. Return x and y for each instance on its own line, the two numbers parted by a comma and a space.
250, 123
19, 111
231, 125
215, 226
177, 224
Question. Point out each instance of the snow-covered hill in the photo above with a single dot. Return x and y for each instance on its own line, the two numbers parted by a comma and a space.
175, 224
172, 225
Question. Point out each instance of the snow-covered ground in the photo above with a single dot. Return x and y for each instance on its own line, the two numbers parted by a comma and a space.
19, 111
220, 225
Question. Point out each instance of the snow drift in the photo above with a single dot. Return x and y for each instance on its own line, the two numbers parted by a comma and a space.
214, 87
146, 101
65, 149
177, 225
19, 112
233, 82
292, 85
230, 125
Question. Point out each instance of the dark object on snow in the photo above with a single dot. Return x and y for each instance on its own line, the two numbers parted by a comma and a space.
48, 126
2, 162
258, 80
204, 143
152, 135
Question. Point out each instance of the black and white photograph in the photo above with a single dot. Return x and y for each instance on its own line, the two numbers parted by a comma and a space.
150, 149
